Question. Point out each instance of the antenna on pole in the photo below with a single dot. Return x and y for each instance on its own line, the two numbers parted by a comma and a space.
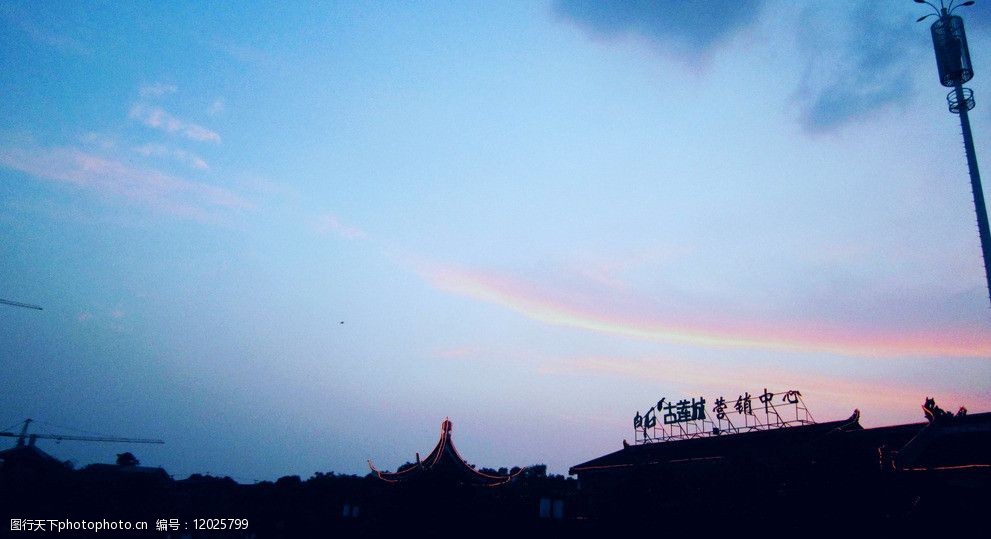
954, 67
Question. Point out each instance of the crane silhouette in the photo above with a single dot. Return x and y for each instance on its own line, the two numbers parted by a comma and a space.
19, 304
31, 438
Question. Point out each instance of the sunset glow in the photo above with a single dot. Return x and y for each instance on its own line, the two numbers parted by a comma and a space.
552, 307
288, 238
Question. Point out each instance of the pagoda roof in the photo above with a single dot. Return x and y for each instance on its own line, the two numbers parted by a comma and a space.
443, 463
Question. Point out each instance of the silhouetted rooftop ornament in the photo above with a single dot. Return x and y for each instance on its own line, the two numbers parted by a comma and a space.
443, 464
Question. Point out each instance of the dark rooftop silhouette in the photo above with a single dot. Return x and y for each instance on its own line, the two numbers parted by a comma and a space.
444, 463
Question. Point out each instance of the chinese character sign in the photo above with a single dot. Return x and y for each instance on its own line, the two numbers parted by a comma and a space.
743, 405
646, 421
686, 412
720, 408
683, 411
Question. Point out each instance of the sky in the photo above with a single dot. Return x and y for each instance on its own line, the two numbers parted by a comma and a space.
292, 237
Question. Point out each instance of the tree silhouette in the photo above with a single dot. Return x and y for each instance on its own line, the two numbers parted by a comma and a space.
127, 459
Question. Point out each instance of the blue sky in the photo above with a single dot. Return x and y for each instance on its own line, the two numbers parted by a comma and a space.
535, 218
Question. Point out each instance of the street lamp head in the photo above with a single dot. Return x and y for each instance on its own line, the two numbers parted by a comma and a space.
943, 9
952, 53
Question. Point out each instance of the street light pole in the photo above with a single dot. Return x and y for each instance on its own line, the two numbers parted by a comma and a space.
975, 181
953, 63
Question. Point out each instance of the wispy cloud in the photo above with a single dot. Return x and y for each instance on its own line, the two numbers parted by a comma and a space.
157, 89
689, 28
180, 155
217, 107
329, 223
853, 52
853, 68
148, 187
630, 318
41, 33
158, 118
99, 140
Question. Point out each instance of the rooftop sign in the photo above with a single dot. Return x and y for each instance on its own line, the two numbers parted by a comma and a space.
689, 419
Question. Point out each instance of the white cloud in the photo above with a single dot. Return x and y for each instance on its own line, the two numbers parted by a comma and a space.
180, 155
191, 159
152, 149
157, 89
158, 118
217, 107
105, 142
152, 188
40, 32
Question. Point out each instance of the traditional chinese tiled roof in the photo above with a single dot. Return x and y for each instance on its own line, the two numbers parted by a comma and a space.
444, 463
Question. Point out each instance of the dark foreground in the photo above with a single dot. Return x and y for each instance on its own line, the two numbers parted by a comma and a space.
831, 479
909, 504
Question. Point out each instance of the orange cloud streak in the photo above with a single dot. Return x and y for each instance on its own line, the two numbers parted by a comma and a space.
802, 336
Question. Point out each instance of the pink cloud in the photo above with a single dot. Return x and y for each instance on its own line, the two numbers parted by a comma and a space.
149, 187
158, 118
329, 223
629, 316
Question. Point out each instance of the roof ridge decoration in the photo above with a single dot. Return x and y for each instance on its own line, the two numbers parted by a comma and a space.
444, 462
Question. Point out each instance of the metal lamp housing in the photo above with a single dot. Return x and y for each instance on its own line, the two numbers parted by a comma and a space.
952, 54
